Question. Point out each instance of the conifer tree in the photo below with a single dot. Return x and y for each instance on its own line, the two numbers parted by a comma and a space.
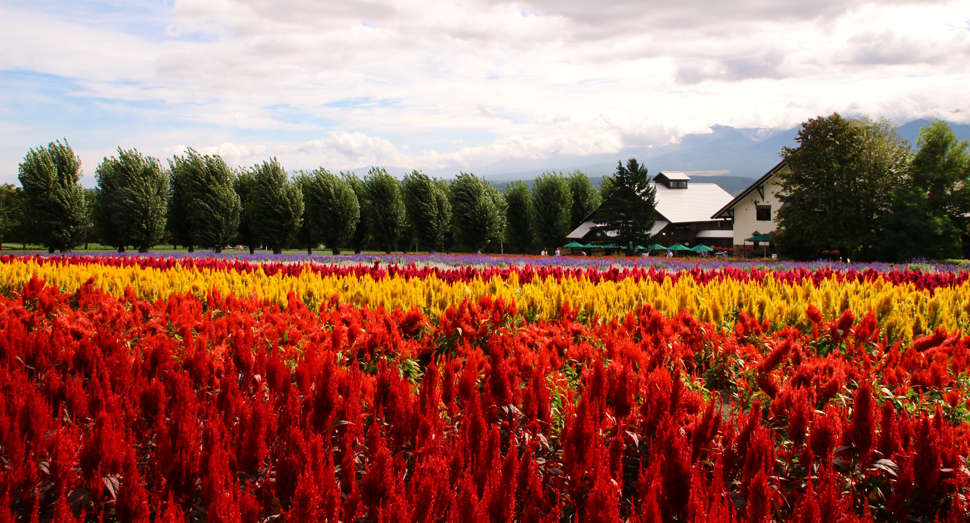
629, 208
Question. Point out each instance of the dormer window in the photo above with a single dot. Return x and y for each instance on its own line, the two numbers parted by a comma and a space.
672, 179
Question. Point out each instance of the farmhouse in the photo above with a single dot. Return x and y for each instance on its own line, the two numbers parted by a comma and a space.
684, 212
755, 210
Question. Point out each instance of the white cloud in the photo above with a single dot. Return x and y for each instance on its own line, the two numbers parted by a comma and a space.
469, 83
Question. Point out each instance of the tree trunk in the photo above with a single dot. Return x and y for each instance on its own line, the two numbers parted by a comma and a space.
336, 250
191, 248
252, 250
356, 251
121, 248
309, 250
217, 249
50, 250
143, 250
277, 250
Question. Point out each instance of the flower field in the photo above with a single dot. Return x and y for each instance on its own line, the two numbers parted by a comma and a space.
150, 389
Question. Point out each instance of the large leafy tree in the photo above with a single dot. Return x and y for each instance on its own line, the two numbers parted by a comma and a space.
12, 218
552, 205
586, 198
941, 171
913, 229
362, 235
838, 195
629, 209
428, 210
332, 211
244, 184
278, 206
203, 207
55, 200
132, 200
387, 214
477, 211
518, 232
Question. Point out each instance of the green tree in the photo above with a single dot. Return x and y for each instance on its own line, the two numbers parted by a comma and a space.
202, 190
18, 228
179, 223
428, 210
518, 232
244, 183
332, 210
629, 209
362, 234
552, 205
941, 171
278, 207
606, 187
11, 214
912, 229
132, 200
476, 215
585, 197
387, 214
497, 236
844, 174
49, 176
91, 232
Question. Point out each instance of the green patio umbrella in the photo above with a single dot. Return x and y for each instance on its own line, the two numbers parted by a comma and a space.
701, 248
678, 247
657, 247
759, 238
574, 245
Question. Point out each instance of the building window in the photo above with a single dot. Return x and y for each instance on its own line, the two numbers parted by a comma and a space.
764, 213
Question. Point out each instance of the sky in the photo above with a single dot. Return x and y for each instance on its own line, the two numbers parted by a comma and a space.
449, 86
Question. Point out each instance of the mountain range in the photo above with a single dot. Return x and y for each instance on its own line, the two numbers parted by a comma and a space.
731, 157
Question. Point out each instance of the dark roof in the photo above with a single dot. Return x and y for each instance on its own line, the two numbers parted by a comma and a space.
672, 175
760, 181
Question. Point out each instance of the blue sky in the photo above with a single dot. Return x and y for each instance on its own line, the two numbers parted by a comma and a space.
444, 86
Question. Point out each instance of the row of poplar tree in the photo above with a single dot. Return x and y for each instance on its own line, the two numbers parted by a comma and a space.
198, 201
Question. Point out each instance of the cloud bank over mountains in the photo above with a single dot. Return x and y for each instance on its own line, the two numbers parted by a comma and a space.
445, 86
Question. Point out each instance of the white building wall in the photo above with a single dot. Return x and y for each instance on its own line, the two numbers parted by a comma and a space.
745, 212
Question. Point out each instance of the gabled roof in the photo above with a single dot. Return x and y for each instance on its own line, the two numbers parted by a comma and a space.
693, 204
722, 213
584, 228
